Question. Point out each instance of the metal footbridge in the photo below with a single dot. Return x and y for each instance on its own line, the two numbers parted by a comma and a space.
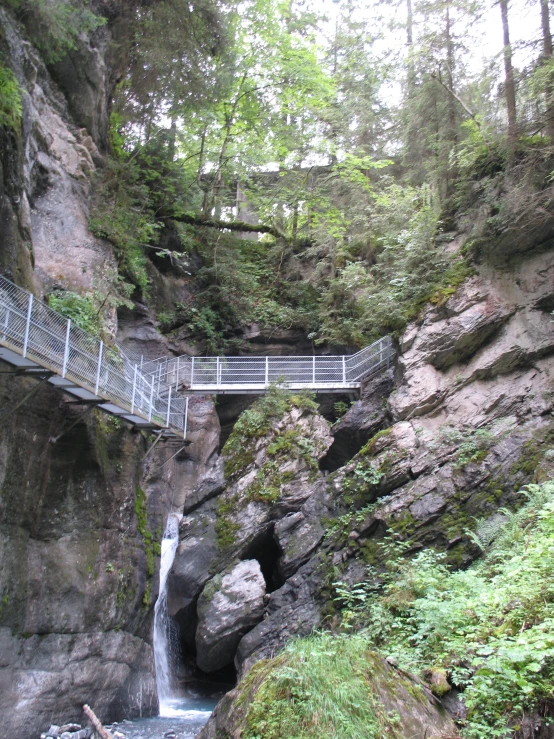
40, 342
243, 375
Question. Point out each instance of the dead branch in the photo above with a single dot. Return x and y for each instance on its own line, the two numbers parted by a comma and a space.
96, 725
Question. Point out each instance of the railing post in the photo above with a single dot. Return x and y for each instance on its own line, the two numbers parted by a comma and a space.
343, 369
186, 417
168, 407
177, 376
151, 399
192, 373
27, 325
313, 370
66, 350
267, 371
6, 321
217, 371
100, 352
134, 389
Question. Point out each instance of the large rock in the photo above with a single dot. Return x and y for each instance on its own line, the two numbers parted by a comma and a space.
230, 605
43, 676
395, 695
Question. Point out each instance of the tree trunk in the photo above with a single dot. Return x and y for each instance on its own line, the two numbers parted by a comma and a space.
509, 82
410, 45
546, 55
452, 136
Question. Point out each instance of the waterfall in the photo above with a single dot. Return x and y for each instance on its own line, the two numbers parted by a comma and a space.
162, 620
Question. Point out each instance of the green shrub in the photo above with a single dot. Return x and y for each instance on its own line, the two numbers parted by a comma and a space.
490, 627
82, 309
54, 26
10, 99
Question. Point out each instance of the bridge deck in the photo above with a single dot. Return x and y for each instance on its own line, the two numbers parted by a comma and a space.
38, 341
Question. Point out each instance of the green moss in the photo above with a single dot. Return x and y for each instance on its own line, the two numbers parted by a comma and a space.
108, 437
151, 546
257, 421
369, 448
225, 527
404, 525
455, 276
211, 588
532, 454
239, 461
10, 100
266, 487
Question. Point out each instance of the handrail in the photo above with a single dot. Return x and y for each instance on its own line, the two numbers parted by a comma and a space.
326, 372
31, 329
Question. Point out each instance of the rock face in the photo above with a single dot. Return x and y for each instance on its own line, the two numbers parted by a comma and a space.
80, 516
56, 672
465, 424
229, 606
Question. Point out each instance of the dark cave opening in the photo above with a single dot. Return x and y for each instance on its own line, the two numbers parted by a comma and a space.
228, 409
190, 677
347, 443
266, 551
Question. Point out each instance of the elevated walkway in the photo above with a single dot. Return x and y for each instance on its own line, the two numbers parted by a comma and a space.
244, 375
38, 341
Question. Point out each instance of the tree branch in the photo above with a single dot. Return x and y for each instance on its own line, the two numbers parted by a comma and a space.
470, 113
229, 225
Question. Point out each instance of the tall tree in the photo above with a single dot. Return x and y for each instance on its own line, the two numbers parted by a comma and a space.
509, 79
546, 57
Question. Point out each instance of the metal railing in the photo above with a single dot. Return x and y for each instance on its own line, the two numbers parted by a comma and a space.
33, 330
315, 372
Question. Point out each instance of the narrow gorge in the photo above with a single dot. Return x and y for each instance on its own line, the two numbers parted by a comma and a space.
299, 556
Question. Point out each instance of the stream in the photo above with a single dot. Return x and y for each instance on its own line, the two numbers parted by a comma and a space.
183, 720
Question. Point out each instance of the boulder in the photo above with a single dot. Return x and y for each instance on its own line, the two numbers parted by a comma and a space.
229, 606
397, 697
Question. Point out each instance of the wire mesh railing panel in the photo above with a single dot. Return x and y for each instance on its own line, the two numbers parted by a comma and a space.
13, 313
48, 338
373, 358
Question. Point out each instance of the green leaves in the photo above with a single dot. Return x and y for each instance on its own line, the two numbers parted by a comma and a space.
54, 27
10, 99
491, 627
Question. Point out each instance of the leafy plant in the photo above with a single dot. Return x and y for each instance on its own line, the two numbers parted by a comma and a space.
54, 27
490, 627
10, 99
82, 309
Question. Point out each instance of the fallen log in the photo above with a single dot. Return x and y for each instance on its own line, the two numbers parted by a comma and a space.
96, 725
228, 225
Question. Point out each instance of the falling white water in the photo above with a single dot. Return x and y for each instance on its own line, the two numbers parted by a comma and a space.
162, 621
